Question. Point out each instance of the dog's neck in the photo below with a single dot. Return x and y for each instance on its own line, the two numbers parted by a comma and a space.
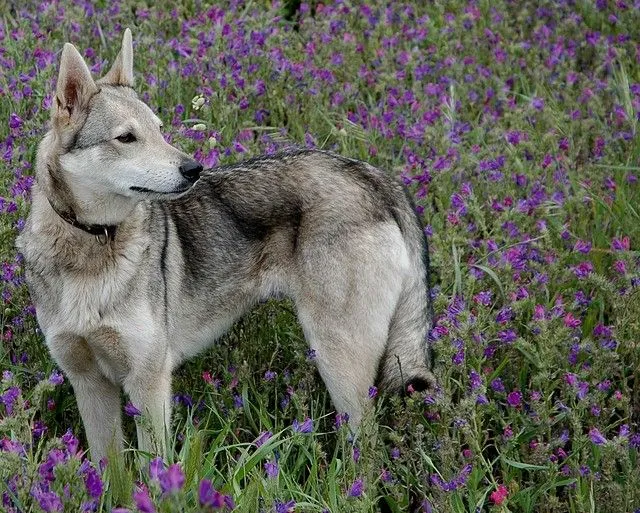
104, 233
61, 200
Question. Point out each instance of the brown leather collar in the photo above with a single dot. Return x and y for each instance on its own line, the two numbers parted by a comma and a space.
104, 233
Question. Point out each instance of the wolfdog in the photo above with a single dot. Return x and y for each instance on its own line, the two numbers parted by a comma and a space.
137, 259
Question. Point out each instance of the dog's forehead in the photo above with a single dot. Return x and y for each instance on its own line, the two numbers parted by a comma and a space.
111, 109
117, 104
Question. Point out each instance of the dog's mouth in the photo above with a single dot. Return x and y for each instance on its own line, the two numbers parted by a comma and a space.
144, 190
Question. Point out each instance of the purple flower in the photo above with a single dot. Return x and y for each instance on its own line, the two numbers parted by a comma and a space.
285, 507
131, 410
602, 331
514, 137
620, 266
583, 269
271, 468
583, 390
39, 429
49, 501
93, 483
597, 437
56, 378
458, 357
209, 496
475, 380
54, 457
71, 442
570, 321
622, 244
373, 392
143, 501
172, 479
505, 315
582, 246
483, 298
15, 121
263, 438
507, 432
426, 506
507, 336
88, 506
341, 418
156, 465
9, 399
356, 488
305, 427
7, 445
497, 385
514, 398
269, 375
482, 399
537, 103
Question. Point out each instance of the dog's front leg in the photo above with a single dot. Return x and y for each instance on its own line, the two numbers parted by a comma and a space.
98, 398
149, 389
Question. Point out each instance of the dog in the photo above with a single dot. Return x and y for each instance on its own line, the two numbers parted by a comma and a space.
136, 259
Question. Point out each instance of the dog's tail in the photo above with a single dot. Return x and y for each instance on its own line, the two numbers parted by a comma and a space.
407, 360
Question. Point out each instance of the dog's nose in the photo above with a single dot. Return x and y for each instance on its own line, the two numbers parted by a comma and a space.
191, 170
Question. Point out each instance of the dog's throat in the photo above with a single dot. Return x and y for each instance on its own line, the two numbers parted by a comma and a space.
104, 233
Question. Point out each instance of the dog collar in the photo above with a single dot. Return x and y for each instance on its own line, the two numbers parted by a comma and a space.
104, 233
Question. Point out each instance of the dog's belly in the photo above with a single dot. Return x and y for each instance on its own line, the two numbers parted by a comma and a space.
195, 324
187, 339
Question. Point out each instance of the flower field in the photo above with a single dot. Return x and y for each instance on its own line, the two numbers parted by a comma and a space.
514, 126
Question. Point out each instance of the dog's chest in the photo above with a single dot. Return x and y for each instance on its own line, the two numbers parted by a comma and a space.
77, 302
87, 302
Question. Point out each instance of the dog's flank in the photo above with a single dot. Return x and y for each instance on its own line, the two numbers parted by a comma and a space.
336, 235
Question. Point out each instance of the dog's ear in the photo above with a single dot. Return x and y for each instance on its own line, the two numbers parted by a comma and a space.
75, 85
121, 73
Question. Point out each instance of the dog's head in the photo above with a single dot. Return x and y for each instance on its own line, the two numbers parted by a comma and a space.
109, 143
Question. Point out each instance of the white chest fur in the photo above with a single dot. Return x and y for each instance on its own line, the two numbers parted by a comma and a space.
79, 285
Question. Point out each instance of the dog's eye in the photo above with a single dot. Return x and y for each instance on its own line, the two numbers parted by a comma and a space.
126, 138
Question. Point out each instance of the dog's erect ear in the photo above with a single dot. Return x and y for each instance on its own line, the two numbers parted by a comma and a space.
121, 73
75, 85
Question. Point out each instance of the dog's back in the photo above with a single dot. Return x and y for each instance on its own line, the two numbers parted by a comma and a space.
337, 235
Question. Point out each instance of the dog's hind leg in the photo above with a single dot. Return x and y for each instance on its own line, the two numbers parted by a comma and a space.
346, 298
346, 355
98, 398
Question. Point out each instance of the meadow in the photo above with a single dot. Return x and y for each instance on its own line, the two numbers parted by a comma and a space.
513, 125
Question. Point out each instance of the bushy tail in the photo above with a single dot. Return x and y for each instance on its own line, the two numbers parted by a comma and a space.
407, 359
